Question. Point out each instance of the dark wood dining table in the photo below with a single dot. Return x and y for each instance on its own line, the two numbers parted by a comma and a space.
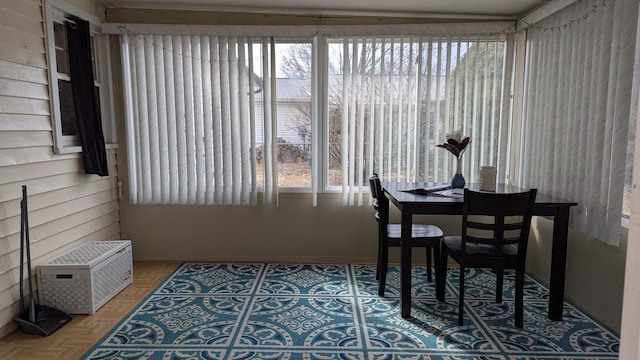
410, 204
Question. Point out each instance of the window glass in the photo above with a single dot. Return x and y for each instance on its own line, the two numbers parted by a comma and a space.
293, 99
67, 110
68, 117
392, 100
62, 50
293, 105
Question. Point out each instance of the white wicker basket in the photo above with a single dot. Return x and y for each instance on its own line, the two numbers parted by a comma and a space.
85, 278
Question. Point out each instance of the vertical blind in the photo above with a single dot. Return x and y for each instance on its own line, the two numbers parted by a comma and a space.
401, 96
191, 110
577, 110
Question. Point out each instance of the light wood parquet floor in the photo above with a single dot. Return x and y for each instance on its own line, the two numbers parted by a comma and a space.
83, 331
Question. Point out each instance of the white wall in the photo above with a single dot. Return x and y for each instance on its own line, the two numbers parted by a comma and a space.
66, 206
298, 232
594, 273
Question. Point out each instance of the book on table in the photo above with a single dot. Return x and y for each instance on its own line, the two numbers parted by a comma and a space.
445, 191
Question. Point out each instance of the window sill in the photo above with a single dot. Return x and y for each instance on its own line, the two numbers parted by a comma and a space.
68, 149
78, 149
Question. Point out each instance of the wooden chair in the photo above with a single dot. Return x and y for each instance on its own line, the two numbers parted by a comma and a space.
495, 232
427, 236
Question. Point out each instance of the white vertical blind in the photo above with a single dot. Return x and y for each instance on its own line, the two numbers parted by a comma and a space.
577, 110
400, 96
191, 115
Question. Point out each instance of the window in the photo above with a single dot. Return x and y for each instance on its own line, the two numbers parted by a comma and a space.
210, 124
66, 137
201, 119
393, 99
577, 119
293, 108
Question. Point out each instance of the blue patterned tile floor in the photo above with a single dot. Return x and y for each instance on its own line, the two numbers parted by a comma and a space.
290, 311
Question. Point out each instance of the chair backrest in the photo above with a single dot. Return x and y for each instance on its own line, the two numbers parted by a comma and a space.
492, 221
380, 202
374, 183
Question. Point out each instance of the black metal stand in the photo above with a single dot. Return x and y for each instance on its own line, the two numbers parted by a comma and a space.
36, 319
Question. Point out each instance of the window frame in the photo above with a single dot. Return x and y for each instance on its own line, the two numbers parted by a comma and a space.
55, 11
283, 41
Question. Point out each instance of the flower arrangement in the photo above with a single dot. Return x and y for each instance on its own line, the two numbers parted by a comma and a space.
455, 143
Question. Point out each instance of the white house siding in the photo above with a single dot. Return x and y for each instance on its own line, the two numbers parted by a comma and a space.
292, 97
289, 117
66, 206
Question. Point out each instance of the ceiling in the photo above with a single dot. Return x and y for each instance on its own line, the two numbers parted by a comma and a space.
494, 9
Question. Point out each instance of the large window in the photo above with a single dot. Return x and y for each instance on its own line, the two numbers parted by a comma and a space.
393, 99
214, 120
201, 119
579, 101
66, 132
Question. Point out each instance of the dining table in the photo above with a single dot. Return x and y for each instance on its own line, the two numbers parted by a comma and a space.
414, 198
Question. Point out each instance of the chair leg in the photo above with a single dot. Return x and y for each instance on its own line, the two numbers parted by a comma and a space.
384, 264
461, 298
441, 272
499, 282
429, 263
519, 298
437, 264
379, 257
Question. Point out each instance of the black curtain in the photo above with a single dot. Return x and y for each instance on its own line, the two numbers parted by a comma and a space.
86, 102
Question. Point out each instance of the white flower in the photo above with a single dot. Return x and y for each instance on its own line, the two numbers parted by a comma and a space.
456, 135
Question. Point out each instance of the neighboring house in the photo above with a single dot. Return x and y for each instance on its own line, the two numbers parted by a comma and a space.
294, 109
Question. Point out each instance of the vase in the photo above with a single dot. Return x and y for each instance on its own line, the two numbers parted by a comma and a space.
458, 180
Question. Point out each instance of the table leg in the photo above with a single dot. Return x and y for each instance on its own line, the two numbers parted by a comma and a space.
558, 263
441, 276
405, 264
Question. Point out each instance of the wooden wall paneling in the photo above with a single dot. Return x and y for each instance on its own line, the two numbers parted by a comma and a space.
27, 8
15, 122
45, 215
65, 194
22, 139
14, 105
19, 72
10, 296
56, 226
9, 87
22, 22
77, 184
70, 207
23, 56
18, 156
29, 42
9, 175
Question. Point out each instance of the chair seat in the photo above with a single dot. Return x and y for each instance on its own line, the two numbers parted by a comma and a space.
417, 231
454, 244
